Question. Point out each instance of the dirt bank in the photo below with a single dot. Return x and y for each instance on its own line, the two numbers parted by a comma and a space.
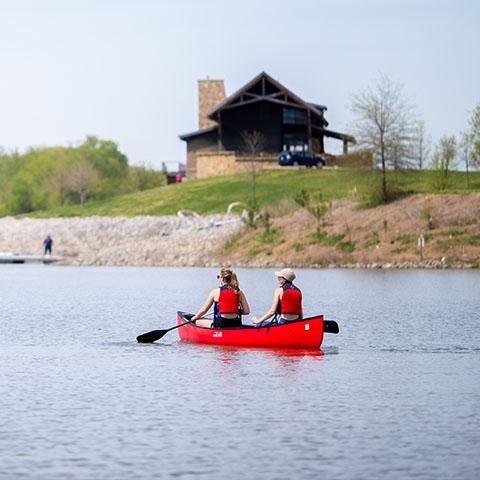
386, 236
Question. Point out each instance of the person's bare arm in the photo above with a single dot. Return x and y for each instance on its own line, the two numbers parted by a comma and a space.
206, 306
273, 308
244, 303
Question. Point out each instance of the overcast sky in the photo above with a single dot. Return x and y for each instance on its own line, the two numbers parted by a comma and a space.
127, 70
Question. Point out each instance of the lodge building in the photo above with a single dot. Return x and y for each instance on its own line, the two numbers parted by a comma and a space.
285, 121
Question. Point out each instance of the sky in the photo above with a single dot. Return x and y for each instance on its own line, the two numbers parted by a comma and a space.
127, 70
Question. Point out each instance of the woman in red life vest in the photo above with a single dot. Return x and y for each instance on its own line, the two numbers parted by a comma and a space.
229, 303
287, 300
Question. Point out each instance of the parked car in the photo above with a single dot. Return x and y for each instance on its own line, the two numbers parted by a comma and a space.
306, 159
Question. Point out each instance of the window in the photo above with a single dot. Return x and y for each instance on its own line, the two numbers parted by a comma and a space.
295, 143
294, 116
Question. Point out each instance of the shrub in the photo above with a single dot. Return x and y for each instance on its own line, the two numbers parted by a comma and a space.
346, 246
455, 233
254, 251
252, 214
321, 237
372, 195
405, 239
297, 246
427, 216
371, 240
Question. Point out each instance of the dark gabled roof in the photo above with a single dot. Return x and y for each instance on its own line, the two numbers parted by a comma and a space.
314, 108
202, 131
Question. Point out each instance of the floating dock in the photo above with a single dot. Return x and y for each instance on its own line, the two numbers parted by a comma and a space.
19, 258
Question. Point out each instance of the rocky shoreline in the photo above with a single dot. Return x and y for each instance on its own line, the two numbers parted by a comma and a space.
135, 241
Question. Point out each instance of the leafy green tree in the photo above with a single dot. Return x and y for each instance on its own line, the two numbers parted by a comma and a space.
21, 198
443, 161
110, 164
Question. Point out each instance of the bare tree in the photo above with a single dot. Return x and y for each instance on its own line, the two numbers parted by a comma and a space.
421, 145
82, 178
253, 143
471, 138
385, 124
466, 152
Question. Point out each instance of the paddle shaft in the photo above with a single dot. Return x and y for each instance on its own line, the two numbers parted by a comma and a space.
155, 335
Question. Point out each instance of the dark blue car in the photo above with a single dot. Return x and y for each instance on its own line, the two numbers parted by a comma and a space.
295, 159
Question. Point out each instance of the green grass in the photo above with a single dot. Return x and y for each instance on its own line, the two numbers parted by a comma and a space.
371, 240
213, 195
405, 239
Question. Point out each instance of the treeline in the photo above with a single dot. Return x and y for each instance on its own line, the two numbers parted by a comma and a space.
45, 178
389, 127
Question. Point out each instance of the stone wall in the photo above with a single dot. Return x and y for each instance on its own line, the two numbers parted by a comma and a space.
359, 159
212, 164
210, 94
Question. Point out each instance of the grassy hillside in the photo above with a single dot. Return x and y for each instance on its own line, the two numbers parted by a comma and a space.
215, 194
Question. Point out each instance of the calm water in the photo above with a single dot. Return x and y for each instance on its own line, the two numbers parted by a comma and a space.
395, 395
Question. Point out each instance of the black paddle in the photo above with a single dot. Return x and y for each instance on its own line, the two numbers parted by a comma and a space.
155, 335
330, 326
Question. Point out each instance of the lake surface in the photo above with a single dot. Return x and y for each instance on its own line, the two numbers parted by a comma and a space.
395, 395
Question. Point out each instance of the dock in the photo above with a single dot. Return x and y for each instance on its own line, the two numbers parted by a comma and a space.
19, 258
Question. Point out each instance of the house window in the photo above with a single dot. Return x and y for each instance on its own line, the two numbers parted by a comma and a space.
294, 116
295, 143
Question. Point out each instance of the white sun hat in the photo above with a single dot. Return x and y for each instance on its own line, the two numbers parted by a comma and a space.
287, 274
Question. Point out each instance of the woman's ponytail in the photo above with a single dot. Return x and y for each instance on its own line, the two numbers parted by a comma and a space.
230, 278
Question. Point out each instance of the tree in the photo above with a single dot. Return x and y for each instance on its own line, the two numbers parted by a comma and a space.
471, 138
317, 209
21, 197
466, 151
421, 145
82, 179
444, 160
253, 143
385, 125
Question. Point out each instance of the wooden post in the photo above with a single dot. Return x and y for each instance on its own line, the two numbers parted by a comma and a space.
309, 131
345, 147
219, 140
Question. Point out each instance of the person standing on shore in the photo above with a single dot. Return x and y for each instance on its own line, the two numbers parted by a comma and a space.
287, 301
47, 244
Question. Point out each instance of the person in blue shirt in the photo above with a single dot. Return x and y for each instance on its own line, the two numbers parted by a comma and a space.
48, 243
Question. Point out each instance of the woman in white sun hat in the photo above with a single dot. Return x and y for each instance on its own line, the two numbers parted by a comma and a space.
287, 300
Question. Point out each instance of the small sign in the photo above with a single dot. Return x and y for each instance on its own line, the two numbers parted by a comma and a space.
217, 334
307, 326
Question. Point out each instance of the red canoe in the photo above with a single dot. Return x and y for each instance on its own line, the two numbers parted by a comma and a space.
306, 333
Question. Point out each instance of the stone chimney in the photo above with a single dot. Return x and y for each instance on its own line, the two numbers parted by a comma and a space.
210, 93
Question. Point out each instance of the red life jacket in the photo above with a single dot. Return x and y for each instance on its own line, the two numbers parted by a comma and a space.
228, 300
291, 302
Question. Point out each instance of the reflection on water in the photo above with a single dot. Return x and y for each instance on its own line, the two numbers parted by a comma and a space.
395, 395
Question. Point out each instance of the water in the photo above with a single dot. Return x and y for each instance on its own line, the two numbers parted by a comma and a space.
395, 395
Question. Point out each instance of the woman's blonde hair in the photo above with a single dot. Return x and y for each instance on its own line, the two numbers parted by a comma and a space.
230, 278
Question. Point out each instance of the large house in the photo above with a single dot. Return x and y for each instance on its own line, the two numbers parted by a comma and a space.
285, 121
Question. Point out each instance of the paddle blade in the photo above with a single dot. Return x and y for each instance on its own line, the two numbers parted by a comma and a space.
329, 326
152, 336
